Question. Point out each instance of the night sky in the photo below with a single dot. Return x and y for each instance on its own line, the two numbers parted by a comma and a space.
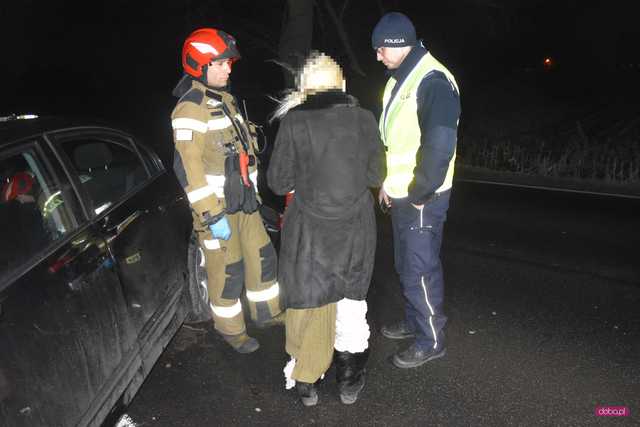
119, 60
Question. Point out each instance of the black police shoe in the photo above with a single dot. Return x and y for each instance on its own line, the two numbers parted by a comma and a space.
397, 331
415, 356
307, 393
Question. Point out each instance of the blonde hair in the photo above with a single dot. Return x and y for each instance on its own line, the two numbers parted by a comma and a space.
319, 73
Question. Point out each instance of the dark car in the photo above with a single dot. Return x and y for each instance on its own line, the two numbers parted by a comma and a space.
98, 269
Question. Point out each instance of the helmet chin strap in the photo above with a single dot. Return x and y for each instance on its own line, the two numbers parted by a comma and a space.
203, 77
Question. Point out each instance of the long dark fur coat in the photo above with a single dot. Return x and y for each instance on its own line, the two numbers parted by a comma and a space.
329, 151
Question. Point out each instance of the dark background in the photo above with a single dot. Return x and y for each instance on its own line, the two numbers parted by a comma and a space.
119, 60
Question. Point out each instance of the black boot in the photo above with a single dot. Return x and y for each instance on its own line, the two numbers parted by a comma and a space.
307, 392
350, 374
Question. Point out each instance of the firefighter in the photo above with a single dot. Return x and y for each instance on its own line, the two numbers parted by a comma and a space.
216, 165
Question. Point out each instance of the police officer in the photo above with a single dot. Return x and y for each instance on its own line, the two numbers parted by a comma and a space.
216, 166
418, 124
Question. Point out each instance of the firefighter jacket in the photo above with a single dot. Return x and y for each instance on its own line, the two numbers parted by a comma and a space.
418, 125
209, 135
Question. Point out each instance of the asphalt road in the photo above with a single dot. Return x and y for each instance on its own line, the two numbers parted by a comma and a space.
543, 297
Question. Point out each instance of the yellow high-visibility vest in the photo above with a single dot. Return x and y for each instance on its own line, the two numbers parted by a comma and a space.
400, 129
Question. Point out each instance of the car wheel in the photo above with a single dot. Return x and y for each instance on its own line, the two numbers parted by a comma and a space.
271, 220
198, 297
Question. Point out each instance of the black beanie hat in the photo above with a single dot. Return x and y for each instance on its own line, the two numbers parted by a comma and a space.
393, 30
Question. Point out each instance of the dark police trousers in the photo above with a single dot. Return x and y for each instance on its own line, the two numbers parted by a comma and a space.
417, 238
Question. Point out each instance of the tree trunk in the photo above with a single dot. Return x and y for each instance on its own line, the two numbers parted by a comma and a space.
296, 35
344, 37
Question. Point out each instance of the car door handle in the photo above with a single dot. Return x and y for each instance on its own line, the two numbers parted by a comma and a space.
87, 277
122, 225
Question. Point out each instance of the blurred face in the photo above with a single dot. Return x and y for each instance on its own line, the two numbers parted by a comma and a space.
218, 73
392, 57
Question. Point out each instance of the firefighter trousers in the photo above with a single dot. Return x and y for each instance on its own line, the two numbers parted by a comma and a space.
245, 263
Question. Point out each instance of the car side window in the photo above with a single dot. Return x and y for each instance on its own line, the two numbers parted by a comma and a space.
154, 164
35, 209
107, 169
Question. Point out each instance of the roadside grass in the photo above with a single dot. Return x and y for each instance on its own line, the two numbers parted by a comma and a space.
614, 160
546, 125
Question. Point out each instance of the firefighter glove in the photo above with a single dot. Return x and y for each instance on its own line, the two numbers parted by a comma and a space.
221, 229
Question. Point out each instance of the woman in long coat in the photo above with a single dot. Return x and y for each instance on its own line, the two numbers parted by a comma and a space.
328, 151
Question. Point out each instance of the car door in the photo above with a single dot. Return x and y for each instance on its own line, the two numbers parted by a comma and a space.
147, 226
65, 331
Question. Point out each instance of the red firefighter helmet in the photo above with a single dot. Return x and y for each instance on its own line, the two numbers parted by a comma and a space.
20, 183
206, 45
